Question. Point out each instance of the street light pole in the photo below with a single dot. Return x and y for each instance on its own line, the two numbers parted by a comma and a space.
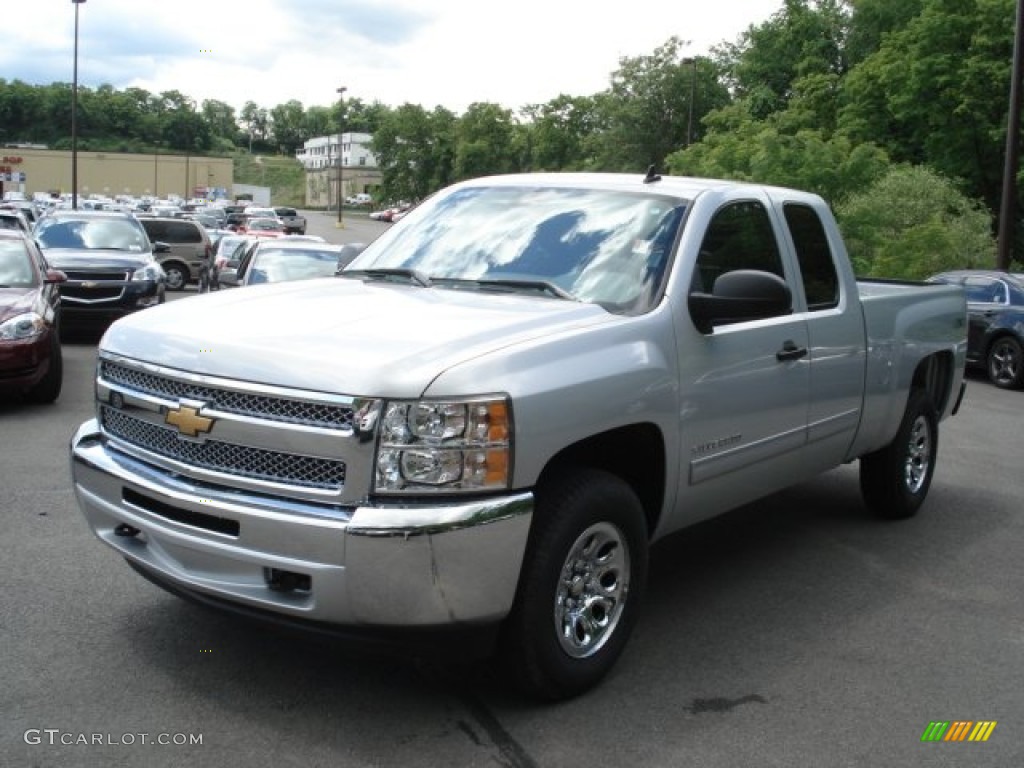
74, 117
1008, 208
693, 95
341, 131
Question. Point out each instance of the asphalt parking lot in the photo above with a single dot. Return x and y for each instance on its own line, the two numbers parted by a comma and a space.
793, 632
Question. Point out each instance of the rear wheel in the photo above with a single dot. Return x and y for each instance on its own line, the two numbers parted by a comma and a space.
177, 275
580, 587
1006, 363
894, 481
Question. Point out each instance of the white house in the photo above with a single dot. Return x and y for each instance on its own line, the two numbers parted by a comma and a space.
322, 152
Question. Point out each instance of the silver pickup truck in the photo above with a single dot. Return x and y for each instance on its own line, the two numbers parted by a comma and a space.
487, 419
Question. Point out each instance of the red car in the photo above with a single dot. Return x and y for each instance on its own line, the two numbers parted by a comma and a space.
30, 354
262, 228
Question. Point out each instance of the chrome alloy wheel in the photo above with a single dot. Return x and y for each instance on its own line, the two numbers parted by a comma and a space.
919, 452
1004, 362
592, 590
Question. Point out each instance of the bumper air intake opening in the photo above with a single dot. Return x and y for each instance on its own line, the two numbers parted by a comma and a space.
287, 581
184, 516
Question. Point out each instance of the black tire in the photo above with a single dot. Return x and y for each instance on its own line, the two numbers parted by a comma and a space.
47, 389
1005, 363
894, 481
580, 585
177, 275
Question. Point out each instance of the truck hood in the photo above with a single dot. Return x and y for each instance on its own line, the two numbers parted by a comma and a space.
340, 335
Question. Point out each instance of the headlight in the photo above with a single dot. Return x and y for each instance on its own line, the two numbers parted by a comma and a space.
23, 326
148, 274
444, 446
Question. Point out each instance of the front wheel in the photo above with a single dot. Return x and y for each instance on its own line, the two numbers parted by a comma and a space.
894, 480
580, 587
1006, 363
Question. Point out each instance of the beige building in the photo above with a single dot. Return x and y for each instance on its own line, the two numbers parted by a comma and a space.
113, 173
322, 185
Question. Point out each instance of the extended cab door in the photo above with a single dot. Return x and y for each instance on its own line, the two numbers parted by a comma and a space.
744, 386
835, 323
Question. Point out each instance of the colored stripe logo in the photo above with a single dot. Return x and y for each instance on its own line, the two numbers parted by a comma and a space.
958, 730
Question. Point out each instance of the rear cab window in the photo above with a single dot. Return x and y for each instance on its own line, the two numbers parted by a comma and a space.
817, 265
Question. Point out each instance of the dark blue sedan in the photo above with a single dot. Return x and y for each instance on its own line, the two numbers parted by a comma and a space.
995, 309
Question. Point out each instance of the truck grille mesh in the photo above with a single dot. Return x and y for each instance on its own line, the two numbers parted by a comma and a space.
237, 460
286, 410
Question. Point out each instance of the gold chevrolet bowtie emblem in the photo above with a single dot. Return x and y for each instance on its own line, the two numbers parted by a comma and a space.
187, 420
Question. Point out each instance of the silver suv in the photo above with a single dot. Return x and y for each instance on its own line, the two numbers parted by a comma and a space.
190, 249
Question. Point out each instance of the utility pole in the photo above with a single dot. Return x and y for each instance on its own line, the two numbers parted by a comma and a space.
1008, 209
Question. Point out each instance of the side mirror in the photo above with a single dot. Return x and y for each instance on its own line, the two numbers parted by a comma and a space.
743, 294
54, 276
160, 247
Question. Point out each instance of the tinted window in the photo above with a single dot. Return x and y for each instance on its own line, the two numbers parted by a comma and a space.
181, 232
985, 290
157, 230
739, 237
817, 267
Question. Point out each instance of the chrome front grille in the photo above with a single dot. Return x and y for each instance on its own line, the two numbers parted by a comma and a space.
253, 437
217, 456
91, 287
271, 408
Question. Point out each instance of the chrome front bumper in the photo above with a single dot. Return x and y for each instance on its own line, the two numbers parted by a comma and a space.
401, 565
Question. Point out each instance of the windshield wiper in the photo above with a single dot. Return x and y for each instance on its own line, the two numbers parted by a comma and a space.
383, 273
509, 286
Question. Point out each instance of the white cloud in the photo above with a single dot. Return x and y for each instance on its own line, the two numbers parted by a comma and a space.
447, 52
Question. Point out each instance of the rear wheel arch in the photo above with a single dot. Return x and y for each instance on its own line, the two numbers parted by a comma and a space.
934, 375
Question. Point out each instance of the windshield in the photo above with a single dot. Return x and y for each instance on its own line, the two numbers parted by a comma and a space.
103, 234
15, 265
592, 245
278, 265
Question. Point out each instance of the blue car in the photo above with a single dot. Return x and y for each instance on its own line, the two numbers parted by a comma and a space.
995, 310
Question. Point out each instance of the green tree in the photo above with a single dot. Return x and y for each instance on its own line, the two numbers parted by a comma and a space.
805, 37
913, 223
287, 126
559, 131
414, 150
485, 142
21, 111
255, 121
936, 92
652, 104
872, 20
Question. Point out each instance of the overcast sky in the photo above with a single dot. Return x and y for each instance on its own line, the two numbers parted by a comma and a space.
447, 53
